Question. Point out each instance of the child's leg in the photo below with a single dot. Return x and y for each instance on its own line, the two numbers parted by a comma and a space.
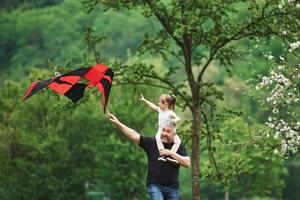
174, 148
159, 143
160, 146
176, 144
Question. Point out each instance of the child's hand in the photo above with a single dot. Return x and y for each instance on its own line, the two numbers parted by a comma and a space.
142, 98
174, 121
165, 152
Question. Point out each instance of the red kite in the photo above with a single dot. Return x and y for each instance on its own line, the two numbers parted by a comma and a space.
99, 76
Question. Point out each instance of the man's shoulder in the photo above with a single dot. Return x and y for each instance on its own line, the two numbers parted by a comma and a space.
145, 141
147, 137
182, 150
181, 145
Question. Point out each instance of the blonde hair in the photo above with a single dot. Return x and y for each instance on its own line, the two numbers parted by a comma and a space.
170, 100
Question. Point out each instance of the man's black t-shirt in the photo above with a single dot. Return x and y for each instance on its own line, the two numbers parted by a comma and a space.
162, 173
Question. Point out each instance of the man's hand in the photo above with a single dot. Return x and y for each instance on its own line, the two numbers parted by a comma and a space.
112, 118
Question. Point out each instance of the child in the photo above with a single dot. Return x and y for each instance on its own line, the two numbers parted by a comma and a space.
165, 115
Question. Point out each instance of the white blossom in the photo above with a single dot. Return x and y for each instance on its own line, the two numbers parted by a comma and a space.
270, 57
270, 119
291, 1
271, 125
275, 111
295, 45
281, 58
281, 88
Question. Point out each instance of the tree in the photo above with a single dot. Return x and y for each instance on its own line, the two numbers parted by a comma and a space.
281, 96
194, 35
280, 89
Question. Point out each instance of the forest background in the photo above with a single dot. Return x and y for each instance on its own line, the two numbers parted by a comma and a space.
52, 149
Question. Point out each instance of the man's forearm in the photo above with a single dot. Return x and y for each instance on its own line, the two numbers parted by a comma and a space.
182, 160
129, 132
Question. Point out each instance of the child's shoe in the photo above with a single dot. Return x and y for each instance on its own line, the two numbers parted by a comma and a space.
162, 159
172, 161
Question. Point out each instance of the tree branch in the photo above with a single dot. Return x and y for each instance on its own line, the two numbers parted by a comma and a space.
164, 22
239, 35
209, 148
142, 83
174, 89
173, 54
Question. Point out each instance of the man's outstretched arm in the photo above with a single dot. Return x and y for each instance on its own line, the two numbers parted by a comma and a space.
128, 132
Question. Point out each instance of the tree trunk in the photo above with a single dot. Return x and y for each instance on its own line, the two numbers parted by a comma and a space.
195, 154
195, 109
226, 193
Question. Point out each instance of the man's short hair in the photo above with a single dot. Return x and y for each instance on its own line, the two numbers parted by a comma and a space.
172, 125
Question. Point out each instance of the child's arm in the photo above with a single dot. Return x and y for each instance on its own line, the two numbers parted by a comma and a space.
175, 118
150, 104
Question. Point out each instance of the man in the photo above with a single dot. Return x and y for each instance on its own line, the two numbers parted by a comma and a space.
162, 178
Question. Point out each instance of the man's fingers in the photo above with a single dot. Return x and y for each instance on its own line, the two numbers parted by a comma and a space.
110, 116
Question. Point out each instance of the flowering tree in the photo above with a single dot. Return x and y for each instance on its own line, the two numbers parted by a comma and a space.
282, 92
281, 87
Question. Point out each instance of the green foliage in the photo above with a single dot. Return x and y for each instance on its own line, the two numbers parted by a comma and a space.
26, 4
39, 35
291, 190
56, 33
244, 167
52, 148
